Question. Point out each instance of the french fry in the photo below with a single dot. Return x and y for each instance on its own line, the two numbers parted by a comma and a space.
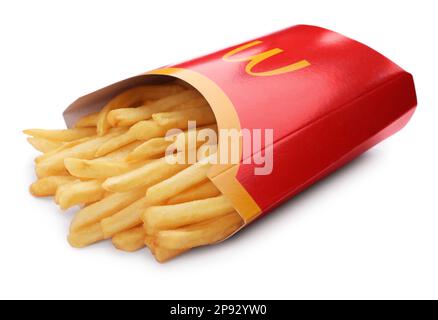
125, 219
179, 119
47, 186
80, 192
145, 176
86, 150
85, 236
64, 135
98, 168
147, 228
149, 149
63, 146
130, 240
133, 97
149, 241
121, 153
174, 216
200, 234
103, 167
43, 171
161, 254
44, 145
143, 130
64, 186
104, 208
114, 144
157, 146
129, 116
181, 181
202, 191
88, 121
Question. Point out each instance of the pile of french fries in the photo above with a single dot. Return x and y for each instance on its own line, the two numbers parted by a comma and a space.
113, 166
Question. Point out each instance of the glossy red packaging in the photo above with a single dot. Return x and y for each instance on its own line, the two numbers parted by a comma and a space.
327, 99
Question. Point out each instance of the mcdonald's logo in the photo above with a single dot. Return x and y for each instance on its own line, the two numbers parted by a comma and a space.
257, 58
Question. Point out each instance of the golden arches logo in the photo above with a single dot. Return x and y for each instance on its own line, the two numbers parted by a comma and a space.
257, 58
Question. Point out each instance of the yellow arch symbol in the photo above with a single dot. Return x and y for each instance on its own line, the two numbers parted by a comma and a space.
256, 59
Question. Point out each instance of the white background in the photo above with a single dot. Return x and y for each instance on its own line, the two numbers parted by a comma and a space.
368, 231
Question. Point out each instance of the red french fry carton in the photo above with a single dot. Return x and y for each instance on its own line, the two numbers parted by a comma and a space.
314, 99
